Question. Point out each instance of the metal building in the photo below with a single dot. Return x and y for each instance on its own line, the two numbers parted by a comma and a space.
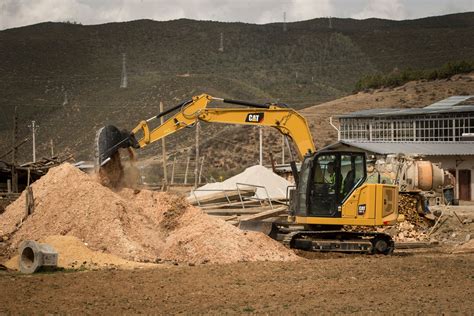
441, 132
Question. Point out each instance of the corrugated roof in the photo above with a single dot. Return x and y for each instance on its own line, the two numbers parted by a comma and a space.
428, 149
455, 104
449, 102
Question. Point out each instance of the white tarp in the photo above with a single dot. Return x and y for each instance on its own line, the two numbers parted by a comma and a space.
256, 175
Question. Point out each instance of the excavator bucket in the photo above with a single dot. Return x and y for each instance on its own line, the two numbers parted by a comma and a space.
268, 228
109, 140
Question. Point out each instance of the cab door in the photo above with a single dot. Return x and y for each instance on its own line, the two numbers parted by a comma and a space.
334, 176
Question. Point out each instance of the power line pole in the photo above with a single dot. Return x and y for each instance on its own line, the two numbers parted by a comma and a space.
15, 133
282, 149
196, 167
165, 169
187, 168
284, 22
260, 132
34, 129
124, 79
15, 137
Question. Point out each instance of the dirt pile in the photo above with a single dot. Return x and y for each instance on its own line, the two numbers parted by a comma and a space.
145, 226
76, 255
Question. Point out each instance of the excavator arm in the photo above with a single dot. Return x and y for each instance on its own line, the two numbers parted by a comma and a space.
286, 120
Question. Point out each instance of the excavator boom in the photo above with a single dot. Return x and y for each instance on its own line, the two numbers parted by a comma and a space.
286, 120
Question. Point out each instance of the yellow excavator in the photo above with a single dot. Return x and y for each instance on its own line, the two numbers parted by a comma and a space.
330, 192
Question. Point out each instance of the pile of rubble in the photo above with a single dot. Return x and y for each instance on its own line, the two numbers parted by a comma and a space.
443, 224
142, 226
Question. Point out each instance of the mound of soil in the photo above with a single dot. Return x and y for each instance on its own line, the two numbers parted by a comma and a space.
144, 226
74, 254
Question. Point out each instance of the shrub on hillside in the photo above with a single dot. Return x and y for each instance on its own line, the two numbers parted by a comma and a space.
398, 78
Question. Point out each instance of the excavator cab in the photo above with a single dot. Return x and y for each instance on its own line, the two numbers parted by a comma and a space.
326, 180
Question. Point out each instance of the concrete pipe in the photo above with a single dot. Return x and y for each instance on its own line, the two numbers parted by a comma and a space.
34, 256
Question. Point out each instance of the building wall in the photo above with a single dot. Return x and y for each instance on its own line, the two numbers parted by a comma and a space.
453, 162
457, 163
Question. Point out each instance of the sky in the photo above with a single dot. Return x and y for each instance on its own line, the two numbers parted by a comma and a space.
15, 13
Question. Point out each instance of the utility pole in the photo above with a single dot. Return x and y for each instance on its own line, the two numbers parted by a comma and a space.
260, 132
284, 22
172, 170
200, 168
221, 46
187, 168
15, 137
282, 149
165, 169
124, 79
330, 22
52, 147
196, 167
34, 129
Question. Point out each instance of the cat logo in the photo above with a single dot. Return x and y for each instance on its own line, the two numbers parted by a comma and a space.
254, 118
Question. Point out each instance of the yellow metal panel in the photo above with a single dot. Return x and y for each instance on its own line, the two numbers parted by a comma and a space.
363, 196
334, 221
372, 199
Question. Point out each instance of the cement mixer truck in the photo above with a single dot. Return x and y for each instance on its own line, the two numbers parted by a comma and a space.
422, 181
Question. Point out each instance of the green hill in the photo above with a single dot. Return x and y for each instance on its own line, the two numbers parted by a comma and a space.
170, 61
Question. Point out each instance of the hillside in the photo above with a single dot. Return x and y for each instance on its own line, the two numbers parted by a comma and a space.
171, 61
411, 95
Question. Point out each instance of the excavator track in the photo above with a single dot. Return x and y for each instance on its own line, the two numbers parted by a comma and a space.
340, 241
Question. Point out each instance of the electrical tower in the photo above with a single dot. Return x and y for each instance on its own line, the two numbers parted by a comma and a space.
124, 80
221, 46
66, 101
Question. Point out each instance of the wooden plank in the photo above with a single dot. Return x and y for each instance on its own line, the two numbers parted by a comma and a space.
221, 196
266, 214
226, 217
236, 211
230, 205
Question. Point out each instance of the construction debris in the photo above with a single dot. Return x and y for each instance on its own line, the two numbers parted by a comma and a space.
142, 226
410, 205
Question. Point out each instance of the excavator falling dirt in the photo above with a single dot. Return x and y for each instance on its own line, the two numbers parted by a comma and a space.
331, 191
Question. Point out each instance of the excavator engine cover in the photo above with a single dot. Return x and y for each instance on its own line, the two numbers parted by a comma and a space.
108, 141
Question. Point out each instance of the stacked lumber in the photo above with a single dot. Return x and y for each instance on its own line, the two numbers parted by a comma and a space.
45, 163
235, 206
221, 197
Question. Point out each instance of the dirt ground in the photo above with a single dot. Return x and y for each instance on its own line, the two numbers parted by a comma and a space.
404, 283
